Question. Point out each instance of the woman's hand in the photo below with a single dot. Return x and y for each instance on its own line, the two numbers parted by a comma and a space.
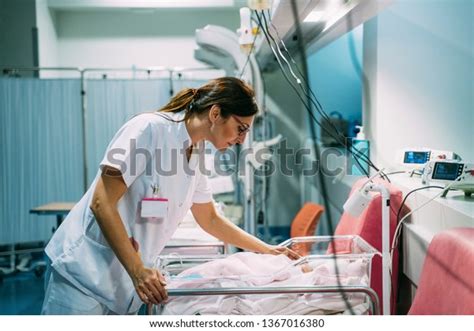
150, 286
276, 250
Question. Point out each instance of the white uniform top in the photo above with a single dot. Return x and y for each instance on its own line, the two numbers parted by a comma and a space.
78, 249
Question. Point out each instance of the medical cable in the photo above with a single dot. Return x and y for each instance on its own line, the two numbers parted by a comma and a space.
398, 172
298, 80
317, 104
340, 138
305, 91
307, 107
321, 112
323, 189
316, 149
397, 230
396, 235
248, 56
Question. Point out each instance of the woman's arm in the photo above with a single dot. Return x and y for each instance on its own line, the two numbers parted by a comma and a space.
148, 283
226, 231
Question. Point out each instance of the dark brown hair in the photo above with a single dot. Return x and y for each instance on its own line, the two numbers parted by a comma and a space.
232, 95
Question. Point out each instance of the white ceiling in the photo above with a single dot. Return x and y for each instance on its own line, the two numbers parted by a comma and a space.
145, 4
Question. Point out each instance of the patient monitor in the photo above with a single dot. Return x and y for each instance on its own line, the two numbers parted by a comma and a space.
415, 158
457, 175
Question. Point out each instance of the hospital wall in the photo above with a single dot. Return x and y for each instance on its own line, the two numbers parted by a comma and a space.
17, 33
28, 36
133, 38
335, 75
418, 58
48, 51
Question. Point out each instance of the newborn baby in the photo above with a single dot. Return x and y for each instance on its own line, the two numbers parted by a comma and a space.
259, 269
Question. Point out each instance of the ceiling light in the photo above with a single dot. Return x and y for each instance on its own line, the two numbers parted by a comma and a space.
314, 16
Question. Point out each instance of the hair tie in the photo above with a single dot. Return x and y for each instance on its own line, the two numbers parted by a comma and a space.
191, 104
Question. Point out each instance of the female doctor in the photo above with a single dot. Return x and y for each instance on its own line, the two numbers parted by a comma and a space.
104, 254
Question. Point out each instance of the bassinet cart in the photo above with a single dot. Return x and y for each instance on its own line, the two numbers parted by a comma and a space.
348, 296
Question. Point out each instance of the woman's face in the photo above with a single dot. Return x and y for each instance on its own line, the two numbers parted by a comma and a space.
226, 132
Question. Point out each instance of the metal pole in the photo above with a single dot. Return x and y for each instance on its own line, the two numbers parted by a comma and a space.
13, 69
128, 69
84, 129
171, 83
177, 69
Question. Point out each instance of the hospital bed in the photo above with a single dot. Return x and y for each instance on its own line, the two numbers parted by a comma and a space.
190, 239
336, 296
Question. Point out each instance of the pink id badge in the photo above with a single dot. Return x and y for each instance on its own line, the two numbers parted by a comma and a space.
154, 208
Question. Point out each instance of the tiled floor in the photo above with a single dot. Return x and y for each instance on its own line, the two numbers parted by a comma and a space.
21, 294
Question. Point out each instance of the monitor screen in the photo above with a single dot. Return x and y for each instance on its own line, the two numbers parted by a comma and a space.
416, 157
447, 171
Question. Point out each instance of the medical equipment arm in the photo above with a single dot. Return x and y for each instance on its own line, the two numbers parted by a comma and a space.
223, 229
148, 283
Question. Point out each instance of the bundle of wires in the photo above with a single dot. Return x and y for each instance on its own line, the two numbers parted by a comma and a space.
299, 84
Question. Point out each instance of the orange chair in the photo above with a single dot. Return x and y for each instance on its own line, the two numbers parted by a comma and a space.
304, 224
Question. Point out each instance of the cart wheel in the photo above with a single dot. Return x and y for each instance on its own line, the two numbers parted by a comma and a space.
39, 271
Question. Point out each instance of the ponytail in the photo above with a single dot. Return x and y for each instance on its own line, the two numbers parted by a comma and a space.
180, 101
232, 95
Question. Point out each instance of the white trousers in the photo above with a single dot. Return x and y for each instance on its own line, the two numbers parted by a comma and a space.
63, 298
